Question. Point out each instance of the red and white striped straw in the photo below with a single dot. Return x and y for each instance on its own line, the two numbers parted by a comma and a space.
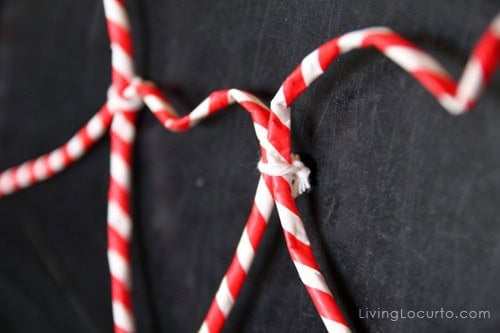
283, 175
123, 128
263, 204
261, 211
56, 161
455, 99
119, 220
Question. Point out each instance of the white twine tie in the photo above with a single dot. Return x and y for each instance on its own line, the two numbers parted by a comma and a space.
296, 173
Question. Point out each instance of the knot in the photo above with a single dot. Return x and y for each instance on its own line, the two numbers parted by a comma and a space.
296, 173
130, 100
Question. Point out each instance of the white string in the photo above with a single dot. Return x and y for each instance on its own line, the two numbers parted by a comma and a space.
296, 173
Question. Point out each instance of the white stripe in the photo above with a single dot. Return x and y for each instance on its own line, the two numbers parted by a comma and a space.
224, 298
156, 104
200, 112
6, 182
311, 67
471, 82
40, 169
119, 220
23, 175
95, 127
495, 26
116, 13
311, 277
292, 223
119, 268
121, 61
245, 251
168, 123
123, 127
334, 327
451, 104
411, 59
264, 200
75, 147
56, 160
354, 39
261, 133
120, 170
241, 96
203, 328
278, 107
122, 317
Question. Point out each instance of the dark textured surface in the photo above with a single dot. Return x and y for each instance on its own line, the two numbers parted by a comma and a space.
404, 209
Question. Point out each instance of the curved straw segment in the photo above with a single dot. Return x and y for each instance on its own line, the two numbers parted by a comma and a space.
455, 98
50, 164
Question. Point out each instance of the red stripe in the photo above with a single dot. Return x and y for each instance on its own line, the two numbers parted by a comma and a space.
217, 100
118, 194
13, 179
268, 180
235, 277
381, 41
487, 52
119, 81
67, 160
283, 195
437, 84
293, 85
147, 88
299, 251
121, 147
279, 136
326, 306
117, 242
120, 293
180, 124
31, 169
215, 318
130, 115
85, 139
259, 114
256, 226
120, 35
328, 52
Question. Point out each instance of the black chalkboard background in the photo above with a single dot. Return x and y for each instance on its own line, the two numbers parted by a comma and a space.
404, 212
